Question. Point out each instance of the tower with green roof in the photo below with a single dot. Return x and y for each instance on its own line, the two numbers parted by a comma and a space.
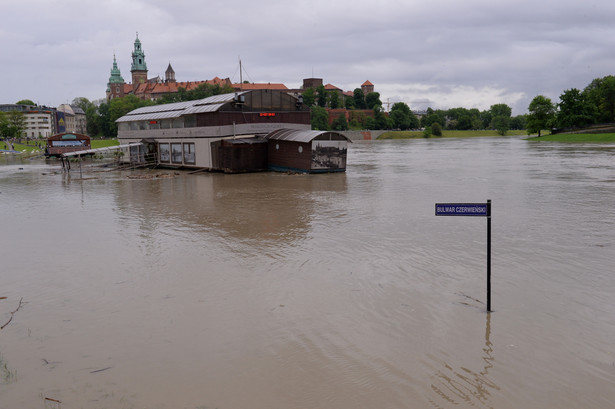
138, 67
115, 86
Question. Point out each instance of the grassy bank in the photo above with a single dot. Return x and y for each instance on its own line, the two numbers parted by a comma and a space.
31, 148
577, 138
446, 134
103, 143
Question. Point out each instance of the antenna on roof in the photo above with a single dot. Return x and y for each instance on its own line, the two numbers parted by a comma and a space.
240, 75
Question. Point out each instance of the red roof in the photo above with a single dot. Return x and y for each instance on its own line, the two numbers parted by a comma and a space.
171, 87
367, 83
330, 87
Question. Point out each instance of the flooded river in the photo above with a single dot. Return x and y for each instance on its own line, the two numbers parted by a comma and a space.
163, 289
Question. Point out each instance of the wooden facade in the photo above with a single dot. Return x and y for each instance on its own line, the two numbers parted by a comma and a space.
307, 151
61, 143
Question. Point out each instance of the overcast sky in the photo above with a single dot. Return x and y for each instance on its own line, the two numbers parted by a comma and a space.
438, 53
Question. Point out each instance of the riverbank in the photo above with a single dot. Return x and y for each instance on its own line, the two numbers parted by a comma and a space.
447, 134
576, 138
33, 148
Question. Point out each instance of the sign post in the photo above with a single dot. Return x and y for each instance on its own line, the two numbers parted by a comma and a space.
475, 210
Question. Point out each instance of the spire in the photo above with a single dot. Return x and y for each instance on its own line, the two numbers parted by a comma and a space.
115, 86
138, 67
116, 75
138, 57
169, 75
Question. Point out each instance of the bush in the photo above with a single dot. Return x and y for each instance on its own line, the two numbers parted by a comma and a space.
436, 129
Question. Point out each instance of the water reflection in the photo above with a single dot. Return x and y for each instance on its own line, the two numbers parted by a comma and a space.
464, 385
258, 207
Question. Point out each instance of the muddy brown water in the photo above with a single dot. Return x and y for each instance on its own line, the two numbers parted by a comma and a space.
338, 291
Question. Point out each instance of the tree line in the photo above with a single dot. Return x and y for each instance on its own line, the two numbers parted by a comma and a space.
576, 109
498, 117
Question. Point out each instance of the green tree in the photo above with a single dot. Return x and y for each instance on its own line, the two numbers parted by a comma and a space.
103, 121
402, 116
16, 124
309, 97
431, 117
82, 103
334, 100
4, 125
463, 119
372, 99
380, 119
518, 122
322, 96
359, 99
25, 102
500, 118
477, 122
601, 93
349, 103
485, 118
541, 114
464, 122
340, 123
575, 110
319, 118
369, 122
436, 129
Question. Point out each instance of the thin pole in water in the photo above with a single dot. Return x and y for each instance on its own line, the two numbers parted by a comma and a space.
488, 255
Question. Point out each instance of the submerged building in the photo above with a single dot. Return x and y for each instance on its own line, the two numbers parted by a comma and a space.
235, 132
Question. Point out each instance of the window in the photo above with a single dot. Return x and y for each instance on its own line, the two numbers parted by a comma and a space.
189, 153
176, 152
165, 155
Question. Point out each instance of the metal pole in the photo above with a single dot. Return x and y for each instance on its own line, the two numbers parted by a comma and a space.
488, 255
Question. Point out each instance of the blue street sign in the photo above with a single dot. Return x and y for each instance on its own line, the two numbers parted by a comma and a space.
462, 209
472, 209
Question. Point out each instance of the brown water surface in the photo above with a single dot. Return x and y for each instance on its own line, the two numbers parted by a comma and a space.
276, 291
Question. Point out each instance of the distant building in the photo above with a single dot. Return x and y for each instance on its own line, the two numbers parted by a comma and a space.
312, 83
151, 88
41, 121
367, 87
74, 117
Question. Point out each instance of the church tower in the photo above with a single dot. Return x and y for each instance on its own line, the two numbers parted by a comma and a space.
169, 75
115, 86
138, 67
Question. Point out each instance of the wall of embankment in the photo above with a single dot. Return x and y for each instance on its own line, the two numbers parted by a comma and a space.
362, 135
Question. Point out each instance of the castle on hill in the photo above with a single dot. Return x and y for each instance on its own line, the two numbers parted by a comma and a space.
149, 88
154, 88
